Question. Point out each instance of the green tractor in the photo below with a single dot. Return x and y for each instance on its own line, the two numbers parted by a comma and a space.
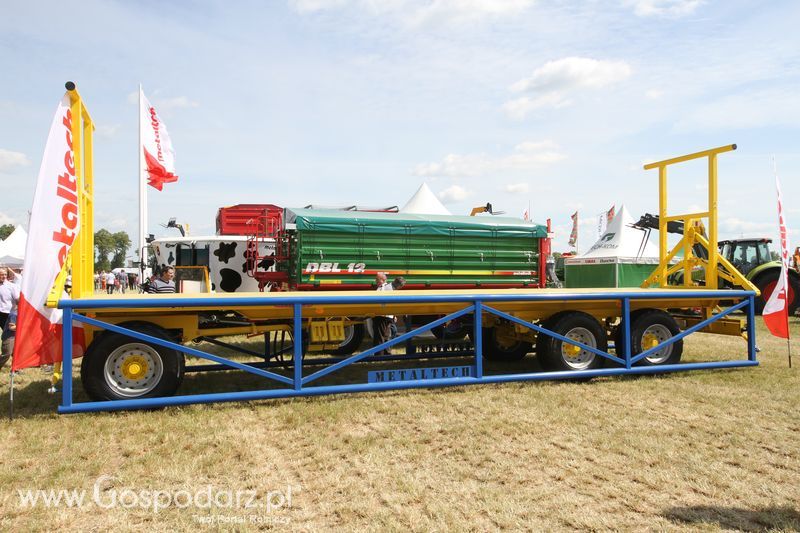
754, 259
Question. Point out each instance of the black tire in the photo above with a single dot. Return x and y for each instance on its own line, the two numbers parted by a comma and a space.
768, 279
654, 325
553, 353
453, 330
127, 352
494, 350
352, 340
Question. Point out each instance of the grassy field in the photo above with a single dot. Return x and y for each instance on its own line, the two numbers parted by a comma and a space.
705, 450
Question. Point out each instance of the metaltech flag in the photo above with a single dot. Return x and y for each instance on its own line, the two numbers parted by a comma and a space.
53, 227
159, 156
776, 310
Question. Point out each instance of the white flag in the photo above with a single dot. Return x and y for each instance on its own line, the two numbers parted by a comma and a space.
54, 225
159, 156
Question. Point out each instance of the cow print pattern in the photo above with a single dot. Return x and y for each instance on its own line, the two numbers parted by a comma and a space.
225, 251
231, 280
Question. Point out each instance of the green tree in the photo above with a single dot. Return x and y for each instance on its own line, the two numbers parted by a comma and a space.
6, 230
103, 245
121, 244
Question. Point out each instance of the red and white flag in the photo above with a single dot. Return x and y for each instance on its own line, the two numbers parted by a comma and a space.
573, 236
526, 215
776, 310
159, 157
53, 228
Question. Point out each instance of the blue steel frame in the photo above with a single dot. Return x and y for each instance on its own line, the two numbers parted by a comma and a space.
476, 304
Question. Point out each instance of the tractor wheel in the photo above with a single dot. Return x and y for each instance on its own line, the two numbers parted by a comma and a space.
650, 328
118, 367
766, 283
555, 354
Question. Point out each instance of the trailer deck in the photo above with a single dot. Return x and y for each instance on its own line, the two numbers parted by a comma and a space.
520, 307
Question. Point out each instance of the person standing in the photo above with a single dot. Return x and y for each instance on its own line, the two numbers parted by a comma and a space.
110, 280
164, 284
381, 324
796, 259
9, 297
15, 277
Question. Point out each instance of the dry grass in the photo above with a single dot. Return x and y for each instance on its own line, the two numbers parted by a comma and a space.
692, 451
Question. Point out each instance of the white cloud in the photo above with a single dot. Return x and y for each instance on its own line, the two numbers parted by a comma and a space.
10, 160
416, 13
654, 94
108, 131
178, 102
738, 226
753, 109
668, 8
551, 84
517, 188
313, 6
526, 155
454, 193
6, 219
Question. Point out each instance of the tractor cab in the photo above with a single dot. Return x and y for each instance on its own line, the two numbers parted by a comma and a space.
746, 254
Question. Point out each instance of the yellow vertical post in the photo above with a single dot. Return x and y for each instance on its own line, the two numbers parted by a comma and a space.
662, 225
712, 280
82, 253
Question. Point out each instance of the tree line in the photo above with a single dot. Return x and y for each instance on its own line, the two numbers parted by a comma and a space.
110, 244
105, 244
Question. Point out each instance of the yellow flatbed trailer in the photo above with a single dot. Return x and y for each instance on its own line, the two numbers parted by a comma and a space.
136, 344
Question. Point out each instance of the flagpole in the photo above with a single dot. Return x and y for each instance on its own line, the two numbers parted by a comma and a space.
142, 196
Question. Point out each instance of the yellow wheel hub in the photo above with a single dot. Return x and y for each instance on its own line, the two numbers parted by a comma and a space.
571, 349
134, 367
649, 341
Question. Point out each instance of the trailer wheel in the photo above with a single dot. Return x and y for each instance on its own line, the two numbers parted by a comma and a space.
453, 330
497, 348
118, 367
651, 328
353, 337
555, 354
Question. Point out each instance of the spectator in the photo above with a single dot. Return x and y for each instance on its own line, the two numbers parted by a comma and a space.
15, 277
381, 324
9, 297
796, 259
9, 332
397, 284
122, 280
110, 281
165, 284
102, 280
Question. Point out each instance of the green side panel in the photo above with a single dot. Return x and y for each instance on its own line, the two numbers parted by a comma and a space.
588, 276
633, 275
352, 247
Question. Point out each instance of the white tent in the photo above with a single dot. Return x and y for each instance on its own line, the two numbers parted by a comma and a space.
622, 257
424, 202
622, 241
12, 250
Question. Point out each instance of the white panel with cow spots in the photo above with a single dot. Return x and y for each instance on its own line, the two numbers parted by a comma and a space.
227, 259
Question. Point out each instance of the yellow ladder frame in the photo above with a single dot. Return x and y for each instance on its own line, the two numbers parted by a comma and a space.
716, 266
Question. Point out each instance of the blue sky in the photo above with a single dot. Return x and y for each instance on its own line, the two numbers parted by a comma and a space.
557, 104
